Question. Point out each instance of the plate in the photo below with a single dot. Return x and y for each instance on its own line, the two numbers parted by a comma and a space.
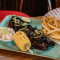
55, 13
52, 52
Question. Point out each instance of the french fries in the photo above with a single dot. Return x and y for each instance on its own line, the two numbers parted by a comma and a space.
51, 28
53, 31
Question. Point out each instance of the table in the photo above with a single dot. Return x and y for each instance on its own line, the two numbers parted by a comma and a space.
9, 55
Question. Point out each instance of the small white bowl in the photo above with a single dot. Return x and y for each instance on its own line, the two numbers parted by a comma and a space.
7, 40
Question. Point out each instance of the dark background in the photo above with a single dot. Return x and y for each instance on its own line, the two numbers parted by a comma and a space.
37, 7
30, 7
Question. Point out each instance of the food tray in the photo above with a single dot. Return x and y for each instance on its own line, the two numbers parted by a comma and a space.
52, 52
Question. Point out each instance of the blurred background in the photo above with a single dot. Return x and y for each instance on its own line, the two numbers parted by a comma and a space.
30, 7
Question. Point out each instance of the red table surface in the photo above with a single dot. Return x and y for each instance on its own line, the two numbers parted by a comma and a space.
4, 13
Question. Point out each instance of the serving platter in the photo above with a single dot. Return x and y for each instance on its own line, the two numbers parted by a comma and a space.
52, 52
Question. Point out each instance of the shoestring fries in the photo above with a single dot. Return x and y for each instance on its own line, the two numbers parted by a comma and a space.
51, 27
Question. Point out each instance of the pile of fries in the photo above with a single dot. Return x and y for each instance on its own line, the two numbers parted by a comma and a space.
51, 27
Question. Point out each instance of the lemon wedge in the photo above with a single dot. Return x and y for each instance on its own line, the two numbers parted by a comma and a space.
26, 19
